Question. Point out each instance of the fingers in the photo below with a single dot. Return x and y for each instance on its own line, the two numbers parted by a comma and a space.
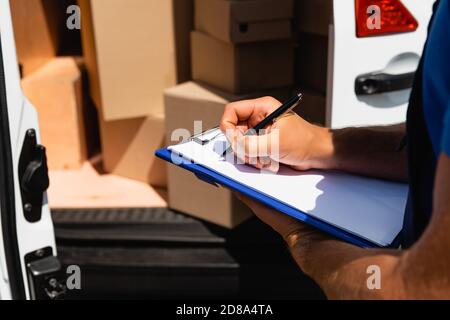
266, 164
234, 114
256, 146
257, 151
239, 117
250, 112
262, 146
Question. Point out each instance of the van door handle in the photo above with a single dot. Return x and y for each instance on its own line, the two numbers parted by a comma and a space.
33, 175
376, 83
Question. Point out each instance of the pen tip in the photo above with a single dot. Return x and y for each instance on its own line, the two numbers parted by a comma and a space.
300, 95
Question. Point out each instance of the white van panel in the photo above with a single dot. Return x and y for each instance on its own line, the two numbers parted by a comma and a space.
22, 116
351, 57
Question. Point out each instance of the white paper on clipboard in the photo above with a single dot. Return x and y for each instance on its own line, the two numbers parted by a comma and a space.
369, 208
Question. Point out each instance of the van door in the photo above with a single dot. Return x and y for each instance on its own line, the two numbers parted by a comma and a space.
29, 268
371, 66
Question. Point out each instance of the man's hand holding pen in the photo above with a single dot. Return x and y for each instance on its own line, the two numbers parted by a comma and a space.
289, 140
301, 145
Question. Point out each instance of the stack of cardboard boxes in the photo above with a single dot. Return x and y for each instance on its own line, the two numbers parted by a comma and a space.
243, 46
137, 61
103, 83
240, 49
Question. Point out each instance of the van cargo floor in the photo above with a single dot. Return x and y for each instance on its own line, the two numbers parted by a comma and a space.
158, 253
131, 225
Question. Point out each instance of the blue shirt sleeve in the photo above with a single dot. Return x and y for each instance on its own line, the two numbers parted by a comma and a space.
446, 132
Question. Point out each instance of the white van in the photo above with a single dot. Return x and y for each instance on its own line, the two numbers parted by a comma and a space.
363, 55
368, 79
28, 266
371, 70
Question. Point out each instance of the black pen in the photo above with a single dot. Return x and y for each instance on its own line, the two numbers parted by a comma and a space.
282, 110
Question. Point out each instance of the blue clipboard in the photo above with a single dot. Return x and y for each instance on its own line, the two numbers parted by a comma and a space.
216, 179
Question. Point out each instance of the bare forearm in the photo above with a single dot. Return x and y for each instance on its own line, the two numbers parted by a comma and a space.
421, 272
343, 271
372, 151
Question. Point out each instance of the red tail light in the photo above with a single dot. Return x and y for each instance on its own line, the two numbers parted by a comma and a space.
378, 17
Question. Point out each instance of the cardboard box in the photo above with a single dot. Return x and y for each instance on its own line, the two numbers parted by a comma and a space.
313, 16
40, 32
56, 91
245, 21
129, 49
189, 195
185, 104
311, 66
242, 68
128, 148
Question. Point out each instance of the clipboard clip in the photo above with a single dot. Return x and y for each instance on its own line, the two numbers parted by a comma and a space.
206, 136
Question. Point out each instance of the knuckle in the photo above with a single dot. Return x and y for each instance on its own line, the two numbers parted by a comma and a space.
269, 99
229, 107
